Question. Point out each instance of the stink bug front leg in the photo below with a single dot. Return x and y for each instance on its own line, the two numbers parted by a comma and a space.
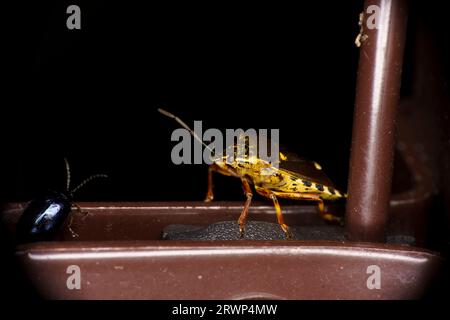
215, 168
243, 217
210, 192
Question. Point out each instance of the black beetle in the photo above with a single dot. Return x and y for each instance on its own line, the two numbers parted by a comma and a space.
43, 218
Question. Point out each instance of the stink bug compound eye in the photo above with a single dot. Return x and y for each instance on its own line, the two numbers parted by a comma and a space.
44, 217
293, 178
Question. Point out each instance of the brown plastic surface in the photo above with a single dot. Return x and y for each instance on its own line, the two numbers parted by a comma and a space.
121, 257
224, 270
373, 140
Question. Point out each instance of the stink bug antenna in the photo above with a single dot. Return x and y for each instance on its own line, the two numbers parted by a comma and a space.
184, 125
67, 174
86, 181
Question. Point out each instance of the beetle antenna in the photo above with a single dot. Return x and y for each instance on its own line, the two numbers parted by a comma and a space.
67, 174
184, 125
86, 181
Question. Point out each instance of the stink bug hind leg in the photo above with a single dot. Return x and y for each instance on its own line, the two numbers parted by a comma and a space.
312, 197
328, 216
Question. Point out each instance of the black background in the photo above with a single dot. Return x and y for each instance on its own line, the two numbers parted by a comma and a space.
91, 95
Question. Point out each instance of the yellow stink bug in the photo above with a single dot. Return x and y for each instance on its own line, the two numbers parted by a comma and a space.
293, 178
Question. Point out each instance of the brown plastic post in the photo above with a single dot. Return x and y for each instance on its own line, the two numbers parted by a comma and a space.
377, 96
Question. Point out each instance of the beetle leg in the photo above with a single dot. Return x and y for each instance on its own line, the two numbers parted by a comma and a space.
277, 206
77, 207
243, 217
311, 197
79, 210
73, 233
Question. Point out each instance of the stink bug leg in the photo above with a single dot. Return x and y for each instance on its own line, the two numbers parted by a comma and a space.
243, 217
210, 192
269, 194
215, 168
311, 197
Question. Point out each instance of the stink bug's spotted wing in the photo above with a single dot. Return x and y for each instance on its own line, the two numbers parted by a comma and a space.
307, 169
310, 175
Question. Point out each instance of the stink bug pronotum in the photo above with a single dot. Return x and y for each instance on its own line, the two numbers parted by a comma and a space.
294, 178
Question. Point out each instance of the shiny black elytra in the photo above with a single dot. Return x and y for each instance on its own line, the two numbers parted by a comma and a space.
44, 217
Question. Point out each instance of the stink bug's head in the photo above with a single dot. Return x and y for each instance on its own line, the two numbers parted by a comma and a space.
242, 158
